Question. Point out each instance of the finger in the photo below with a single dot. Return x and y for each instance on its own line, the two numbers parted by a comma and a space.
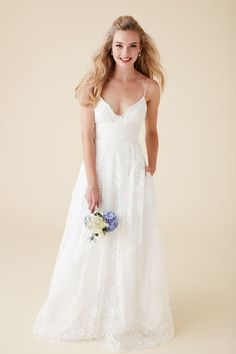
89, 203
92, 206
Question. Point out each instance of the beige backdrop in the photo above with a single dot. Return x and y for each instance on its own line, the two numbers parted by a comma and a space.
46, 47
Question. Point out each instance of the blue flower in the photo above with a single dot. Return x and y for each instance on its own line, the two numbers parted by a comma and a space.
111, 218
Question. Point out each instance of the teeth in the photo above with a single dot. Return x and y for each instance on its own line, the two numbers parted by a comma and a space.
125, 59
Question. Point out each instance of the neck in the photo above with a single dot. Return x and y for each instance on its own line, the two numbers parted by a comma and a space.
122, 74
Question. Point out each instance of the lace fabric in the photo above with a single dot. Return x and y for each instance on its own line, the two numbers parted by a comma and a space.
115, 290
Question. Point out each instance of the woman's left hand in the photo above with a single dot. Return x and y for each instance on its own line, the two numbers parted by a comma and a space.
150, 169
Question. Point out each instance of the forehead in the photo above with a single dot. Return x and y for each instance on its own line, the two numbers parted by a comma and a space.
126, 37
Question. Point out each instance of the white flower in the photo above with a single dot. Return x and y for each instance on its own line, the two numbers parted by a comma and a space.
96, 224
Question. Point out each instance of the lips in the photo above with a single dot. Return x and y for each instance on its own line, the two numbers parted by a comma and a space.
125, 60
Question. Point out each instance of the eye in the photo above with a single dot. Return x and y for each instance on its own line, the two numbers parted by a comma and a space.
133, 45
118, 45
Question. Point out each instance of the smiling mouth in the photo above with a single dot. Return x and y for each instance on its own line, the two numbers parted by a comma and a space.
125, 60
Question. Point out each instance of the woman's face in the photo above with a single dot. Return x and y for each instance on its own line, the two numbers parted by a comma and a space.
125, 47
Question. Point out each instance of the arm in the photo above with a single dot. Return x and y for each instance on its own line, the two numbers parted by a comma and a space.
151, 134
89, 155
88, 144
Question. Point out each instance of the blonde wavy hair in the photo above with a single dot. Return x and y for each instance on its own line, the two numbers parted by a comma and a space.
88, 91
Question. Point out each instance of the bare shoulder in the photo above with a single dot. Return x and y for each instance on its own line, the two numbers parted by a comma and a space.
153, 91
87, 118
84, 108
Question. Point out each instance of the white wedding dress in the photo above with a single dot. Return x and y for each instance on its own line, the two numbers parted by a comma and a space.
114, 290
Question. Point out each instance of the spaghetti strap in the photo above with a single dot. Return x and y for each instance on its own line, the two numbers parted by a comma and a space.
145, 88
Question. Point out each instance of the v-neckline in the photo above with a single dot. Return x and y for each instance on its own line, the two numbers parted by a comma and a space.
121, 115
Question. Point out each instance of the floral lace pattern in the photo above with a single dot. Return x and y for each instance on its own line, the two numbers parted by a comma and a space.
115, 290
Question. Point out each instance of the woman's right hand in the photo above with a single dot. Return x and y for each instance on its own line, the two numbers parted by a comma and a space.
93, 197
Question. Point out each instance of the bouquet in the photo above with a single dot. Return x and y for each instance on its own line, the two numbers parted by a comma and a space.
100, 224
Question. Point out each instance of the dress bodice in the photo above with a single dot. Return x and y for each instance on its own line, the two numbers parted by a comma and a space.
118, 127
111, 126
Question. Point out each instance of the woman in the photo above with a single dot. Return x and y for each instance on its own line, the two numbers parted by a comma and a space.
114, 289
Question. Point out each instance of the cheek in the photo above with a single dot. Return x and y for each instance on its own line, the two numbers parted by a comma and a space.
116, 50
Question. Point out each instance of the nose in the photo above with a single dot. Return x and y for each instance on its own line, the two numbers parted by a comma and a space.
125, 52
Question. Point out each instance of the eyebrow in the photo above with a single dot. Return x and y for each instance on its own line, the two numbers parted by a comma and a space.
129, 43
